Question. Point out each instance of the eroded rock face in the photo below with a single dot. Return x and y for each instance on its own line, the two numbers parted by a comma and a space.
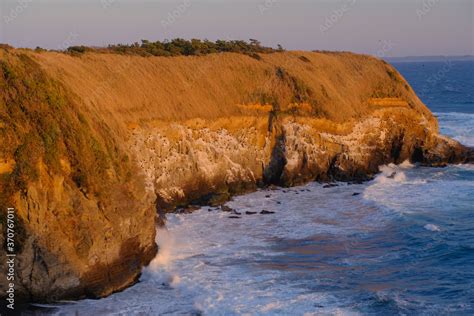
80, 247
203, 161
83, 223
71, 246
91, 153
183, 163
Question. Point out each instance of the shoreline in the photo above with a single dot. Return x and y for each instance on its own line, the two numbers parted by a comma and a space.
87, 169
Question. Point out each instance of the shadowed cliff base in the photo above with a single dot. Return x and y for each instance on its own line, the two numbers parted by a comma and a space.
93, 144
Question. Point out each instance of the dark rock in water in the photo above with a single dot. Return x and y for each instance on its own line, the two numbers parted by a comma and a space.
192, 208
225, 208
234, 216
297, 192
250, 213
284, 191
392, 175
187, 209
267, 196
182, 211
330, 185
355, 193
264, 212
308, 190
209, 209
211, 199
236, 213
278, 202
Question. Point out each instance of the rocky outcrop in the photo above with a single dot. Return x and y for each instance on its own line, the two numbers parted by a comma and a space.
83, 223
207, 161
95, 145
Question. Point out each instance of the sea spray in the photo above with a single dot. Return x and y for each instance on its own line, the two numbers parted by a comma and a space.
390, 173
159, 268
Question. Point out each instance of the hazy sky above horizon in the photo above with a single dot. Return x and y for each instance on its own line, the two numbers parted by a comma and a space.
378, 27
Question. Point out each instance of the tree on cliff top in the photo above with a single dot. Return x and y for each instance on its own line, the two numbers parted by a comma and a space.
182, 47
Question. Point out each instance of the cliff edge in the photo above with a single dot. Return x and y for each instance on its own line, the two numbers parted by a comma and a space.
94, 146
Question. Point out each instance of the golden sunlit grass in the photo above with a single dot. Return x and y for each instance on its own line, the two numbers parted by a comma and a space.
7, 166
133, 89
75, 112
388, 102
265, 108
42, 125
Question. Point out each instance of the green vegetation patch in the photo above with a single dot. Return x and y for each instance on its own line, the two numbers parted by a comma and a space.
182, 47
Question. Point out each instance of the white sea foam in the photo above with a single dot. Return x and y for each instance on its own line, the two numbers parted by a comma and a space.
166, 243
406, 182
460, 126
406, 165
216, 265
391, 173
159, 268
432, 227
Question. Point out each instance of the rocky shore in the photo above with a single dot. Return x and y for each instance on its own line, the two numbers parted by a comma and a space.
95, 147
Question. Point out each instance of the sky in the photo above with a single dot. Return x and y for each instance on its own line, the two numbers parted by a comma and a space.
385, 28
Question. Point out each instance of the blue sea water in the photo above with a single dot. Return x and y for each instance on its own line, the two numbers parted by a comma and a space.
446, 86
403, 245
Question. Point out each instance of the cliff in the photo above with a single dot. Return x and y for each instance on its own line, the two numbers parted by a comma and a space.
94, 146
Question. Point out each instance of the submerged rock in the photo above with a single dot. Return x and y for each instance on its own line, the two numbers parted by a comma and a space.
392, 175
225, 208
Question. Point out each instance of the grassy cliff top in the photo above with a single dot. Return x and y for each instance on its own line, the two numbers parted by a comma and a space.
72, 112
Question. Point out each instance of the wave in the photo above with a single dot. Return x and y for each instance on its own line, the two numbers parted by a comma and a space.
459, 126
158, 269
432, 227
287, 263
450, 89
392, 173
459, 114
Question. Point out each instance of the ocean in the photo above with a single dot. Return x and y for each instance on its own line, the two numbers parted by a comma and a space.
395, 245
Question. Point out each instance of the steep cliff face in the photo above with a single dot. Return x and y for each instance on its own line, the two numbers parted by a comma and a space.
93, 146
79, 209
